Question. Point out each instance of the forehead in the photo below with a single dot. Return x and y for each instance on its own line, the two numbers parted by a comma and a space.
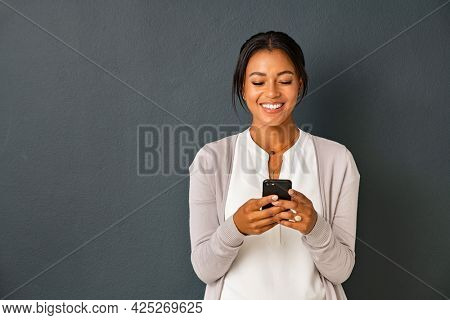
269, 62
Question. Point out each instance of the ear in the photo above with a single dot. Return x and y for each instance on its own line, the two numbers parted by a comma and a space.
301, 86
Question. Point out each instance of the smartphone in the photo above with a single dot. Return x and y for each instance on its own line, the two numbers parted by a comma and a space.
280, 187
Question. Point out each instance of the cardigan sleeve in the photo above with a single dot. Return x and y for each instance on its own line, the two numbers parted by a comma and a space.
332, 246
214, 246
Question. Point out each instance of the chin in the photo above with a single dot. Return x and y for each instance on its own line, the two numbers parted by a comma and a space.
271, 122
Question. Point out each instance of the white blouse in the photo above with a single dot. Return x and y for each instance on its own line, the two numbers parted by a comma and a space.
275, 264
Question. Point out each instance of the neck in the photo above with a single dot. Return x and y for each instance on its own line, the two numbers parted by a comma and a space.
275, 138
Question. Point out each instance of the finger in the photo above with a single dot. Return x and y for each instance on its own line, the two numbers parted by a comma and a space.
288, 204
261, 202
264, 222
292, 225
268, 227
271, 211
297, 195
289, 215
266, 213
285, 214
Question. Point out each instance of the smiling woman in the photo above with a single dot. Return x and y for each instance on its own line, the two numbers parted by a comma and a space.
301, 248
288, 54
268, 93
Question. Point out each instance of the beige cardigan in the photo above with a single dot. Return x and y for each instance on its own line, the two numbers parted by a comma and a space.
215, 241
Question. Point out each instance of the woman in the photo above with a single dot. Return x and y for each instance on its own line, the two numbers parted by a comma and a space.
301, 248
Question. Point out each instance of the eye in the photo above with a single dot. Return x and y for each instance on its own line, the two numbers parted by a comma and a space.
261, 83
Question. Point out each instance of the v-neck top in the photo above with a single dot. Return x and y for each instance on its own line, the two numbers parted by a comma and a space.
275, 264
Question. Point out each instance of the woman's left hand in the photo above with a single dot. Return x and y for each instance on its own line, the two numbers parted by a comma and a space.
303, 208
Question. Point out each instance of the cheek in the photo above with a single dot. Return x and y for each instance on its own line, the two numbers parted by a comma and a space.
293, 91
253, 96
252, 91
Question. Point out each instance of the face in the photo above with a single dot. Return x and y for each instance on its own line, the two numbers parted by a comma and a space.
271, 87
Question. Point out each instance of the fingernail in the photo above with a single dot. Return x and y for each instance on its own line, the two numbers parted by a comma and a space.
275, 197
275, 203
291, 192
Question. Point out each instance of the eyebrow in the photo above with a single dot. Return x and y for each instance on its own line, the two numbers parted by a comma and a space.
263, 74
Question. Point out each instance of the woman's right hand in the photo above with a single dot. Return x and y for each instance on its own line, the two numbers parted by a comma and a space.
249, 219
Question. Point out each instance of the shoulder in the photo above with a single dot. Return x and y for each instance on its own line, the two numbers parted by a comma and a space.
220, 146
327, 146
336, 155
212, 154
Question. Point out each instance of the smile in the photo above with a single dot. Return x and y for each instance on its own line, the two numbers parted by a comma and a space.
272, 108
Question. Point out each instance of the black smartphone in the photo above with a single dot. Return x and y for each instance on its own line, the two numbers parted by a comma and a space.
280, 187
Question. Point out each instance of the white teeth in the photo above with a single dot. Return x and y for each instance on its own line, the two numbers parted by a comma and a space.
272, 106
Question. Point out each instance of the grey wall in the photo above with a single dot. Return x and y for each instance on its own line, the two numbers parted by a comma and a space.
78, 77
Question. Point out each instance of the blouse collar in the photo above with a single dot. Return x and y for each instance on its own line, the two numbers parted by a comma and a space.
257, 153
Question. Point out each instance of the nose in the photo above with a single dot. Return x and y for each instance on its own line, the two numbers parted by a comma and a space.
272, 90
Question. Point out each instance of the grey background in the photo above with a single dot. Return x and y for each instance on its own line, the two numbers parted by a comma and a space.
78, 77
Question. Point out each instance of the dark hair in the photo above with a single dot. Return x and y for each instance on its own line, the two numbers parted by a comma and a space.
267, 40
